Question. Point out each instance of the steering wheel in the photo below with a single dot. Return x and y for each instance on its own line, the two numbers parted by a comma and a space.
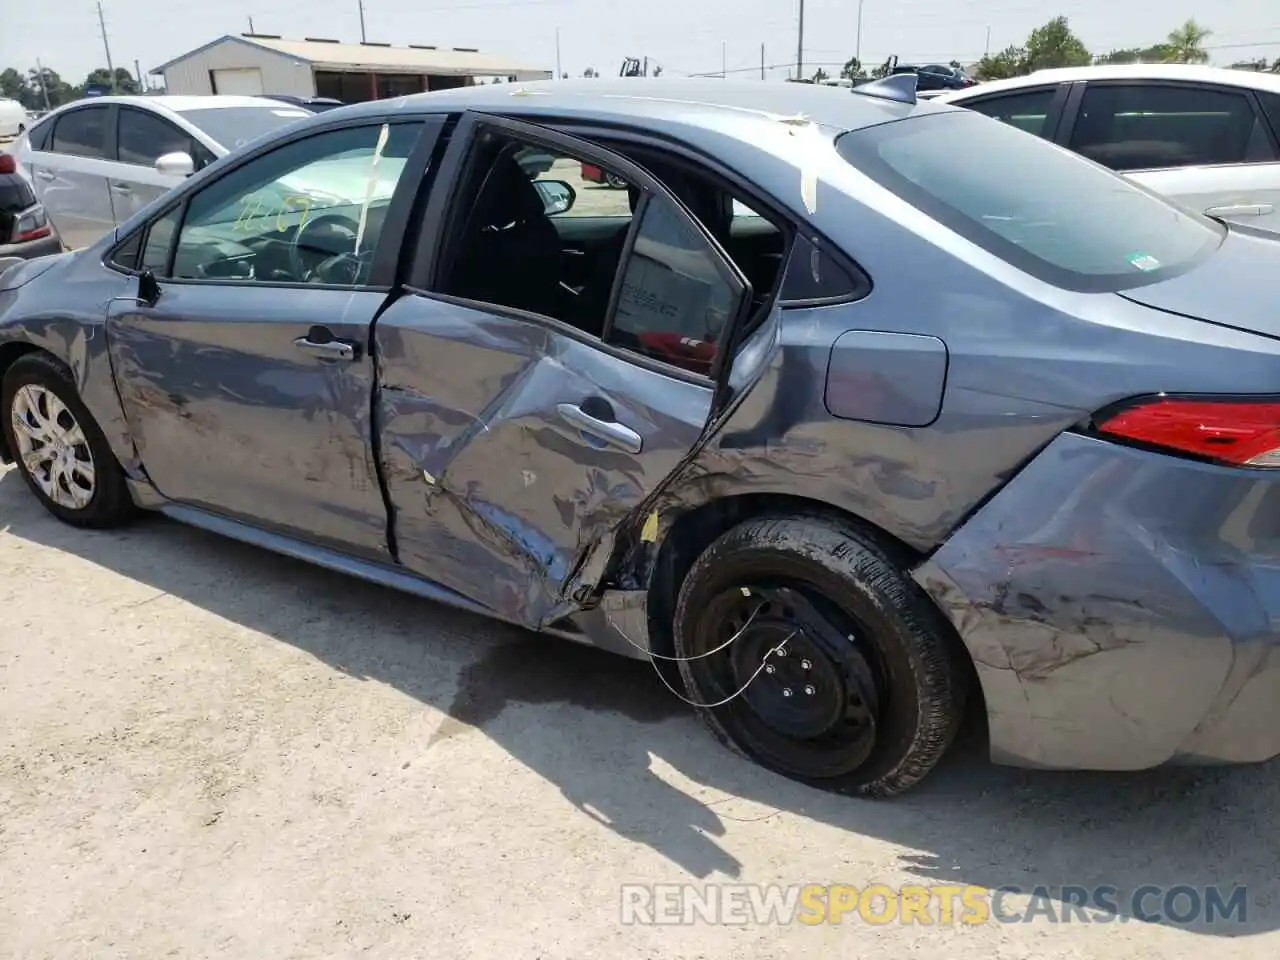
322, 239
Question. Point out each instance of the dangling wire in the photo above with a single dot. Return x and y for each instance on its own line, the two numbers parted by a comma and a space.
737, 693
653, 657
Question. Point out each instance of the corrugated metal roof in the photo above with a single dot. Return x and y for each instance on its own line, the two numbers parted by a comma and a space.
444, 61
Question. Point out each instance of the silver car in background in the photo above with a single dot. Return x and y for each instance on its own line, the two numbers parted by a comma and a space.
95, 163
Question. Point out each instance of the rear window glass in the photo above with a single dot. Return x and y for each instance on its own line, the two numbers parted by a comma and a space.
1040, 208
234, 127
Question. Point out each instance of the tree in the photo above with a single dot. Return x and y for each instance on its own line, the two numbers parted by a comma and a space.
657, 70
882, 71
1054, 45
590, 72
1156, 53
1007, 63
819, 75
124, 80
1186, 44
57, 89
852, 70
13, 85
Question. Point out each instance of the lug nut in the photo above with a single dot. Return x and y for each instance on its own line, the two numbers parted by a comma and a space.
782, 651
786, 691
809, 691
769, 668
805, 664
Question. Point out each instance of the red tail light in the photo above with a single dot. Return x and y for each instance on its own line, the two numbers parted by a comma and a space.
35, 234
7, 163
1241, 432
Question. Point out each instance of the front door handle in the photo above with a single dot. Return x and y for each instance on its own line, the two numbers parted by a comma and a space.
319, 342
1241, 210
610, 431
45, 175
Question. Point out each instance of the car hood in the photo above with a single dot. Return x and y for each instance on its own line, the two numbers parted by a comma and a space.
1232, 287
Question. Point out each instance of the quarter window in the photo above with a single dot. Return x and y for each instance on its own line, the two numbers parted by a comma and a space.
82, 133
1137, 127
1026, 111
143, 138
155, 253
311, 211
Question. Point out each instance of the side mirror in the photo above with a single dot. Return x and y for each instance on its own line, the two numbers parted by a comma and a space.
557, 196
148, 288
177, 164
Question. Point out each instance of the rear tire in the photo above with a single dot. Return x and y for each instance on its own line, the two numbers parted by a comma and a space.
59, 448
870, 689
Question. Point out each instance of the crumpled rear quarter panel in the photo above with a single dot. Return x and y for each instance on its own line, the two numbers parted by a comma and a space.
1122, 609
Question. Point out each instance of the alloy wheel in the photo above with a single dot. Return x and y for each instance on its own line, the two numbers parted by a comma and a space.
52, 447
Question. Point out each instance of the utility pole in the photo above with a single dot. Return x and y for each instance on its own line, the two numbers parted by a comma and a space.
800, 46
724, 62
360, 4
857, 42
762, 61
137, 69
106, 45
558, 73
986, 50
251, 30
44, 84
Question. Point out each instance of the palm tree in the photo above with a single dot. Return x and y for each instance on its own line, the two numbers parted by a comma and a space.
1184, 44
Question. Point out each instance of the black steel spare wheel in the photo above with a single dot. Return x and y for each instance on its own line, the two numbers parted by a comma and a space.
812, 653
804, 681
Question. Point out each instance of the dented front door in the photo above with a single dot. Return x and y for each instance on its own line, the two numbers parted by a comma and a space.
510, 449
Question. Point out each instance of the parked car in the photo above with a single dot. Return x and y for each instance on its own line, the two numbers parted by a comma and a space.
314, 104
13, 118
593, 174
96, 162
1207, 137
829, 501
25, 231
936, 76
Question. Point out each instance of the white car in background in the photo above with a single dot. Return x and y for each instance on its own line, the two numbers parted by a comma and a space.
96, 162
1206, 137
13, 118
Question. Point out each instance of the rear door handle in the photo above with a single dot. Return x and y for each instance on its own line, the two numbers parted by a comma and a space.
121, 187
1241, 210
45, 175
610, 431
319, 342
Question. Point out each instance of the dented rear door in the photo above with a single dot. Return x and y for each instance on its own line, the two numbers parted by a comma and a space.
512, 445
497, 490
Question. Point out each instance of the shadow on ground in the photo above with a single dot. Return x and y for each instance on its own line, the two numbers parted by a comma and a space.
590, 723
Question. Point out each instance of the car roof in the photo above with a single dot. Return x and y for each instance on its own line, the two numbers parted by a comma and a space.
1191, 73
177, 104
641, 97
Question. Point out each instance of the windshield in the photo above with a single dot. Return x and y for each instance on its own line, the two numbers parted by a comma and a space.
233, 127
1048, 212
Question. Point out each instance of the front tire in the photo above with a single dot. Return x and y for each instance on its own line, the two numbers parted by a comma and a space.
59, 448
854, 681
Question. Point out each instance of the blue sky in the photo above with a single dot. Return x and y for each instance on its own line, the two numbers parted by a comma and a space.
685, 36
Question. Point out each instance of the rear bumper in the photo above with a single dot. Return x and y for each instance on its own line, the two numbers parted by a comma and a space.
44, 247
1122, 609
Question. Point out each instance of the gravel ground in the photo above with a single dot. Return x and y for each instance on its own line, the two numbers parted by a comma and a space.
210, 751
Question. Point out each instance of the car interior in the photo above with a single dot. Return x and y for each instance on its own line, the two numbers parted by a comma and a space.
564, 265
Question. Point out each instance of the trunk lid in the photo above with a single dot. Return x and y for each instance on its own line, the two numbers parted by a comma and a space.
1234, 287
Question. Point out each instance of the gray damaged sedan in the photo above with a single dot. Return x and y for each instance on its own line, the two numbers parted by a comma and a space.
848, 409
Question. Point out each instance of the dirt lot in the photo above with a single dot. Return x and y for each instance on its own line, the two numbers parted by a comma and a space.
210, 751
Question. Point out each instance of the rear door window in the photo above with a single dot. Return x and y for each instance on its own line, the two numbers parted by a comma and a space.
81, 133
1150, 127
1036, 206
1027, 109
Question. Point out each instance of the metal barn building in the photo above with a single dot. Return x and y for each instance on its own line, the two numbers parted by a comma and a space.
257, 63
